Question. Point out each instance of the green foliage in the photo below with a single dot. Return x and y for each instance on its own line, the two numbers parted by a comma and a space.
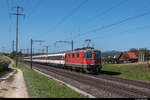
4, 63
12, 54
40, 86
5, 72
110, 60
144, 50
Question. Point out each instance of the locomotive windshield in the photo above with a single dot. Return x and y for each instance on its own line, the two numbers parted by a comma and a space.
88, 55
97, 55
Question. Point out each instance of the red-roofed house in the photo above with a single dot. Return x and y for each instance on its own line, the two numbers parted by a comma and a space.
127, 57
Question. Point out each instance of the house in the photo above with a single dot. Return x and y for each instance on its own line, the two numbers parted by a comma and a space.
127, 57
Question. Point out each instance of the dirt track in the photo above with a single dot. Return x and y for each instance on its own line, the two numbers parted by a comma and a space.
13, 86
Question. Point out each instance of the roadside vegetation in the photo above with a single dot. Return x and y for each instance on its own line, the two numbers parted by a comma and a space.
4, 63
130, 71
40, 86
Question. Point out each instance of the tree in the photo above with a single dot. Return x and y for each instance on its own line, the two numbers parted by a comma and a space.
136, 51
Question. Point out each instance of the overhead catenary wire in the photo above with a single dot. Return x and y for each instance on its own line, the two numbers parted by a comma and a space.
121, 33
35, 8
106, 11
69, 15
126, 31
10, 23
113, 24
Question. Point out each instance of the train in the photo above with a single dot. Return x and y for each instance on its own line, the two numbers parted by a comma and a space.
83, 59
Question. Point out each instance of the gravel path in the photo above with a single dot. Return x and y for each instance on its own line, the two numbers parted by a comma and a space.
13, 85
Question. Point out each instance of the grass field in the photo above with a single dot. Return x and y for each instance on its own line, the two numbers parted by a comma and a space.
40, 86
135, 72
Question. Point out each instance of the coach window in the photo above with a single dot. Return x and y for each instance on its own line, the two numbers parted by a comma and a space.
73, 55
77, 55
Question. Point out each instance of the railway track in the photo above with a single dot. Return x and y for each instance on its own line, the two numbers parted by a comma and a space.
104, 85
126, 81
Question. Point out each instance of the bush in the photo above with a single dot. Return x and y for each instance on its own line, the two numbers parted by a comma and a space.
3, 66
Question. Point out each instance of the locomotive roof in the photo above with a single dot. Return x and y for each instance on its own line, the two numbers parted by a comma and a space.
83, 50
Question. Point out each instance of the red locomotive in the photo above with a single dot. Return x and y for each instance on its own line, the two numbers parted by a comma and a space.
88, 60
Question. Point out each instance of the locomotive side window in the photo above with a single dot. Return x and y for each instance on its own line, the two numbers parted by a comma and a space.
88, 55
73, 55
97, 55
77, 55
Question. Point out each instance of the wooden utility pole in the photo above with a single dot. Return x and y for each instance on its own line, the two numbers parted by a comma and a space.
31, 52
17, 17
27, 51
13, 43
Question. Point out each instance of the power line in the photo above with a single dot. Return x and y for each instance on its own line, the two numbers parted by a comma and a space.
10, 22
107, 10
70, 14
114, 24
137, 28
34, 9
7, 3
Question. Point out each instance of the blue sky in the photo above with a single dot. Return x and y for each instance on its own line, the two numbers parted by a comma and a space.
53, 20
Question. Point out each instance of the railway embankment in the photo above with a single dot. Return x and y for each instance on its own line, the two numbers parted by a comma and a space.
40, 86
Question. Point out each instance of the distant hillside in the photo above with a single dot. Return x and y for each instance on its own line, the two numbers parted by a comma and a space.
110, 53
